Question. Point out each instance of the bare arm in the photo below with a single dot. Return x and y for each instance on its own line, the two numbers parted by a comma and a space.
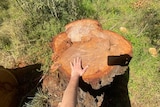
70, 95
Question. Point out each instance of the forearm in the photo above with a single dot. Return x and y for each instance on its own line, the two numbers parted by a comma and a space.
70, 94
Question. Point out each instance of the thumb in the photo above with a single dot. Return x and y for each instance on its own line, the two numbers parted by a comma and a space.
84, 70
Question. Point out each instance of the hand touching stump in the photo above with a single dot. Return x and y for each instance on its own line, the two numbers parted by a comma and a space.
70, 94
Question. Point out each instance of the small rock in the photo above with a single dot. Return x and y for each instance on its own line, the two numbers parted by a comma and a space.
123, 30
153, 52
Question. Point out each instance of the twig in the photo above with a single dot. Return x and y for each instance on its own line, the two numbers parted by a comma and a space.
142, 30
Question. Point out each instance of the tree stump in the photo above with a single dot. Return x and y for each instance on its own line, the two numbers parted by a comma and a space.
107, 54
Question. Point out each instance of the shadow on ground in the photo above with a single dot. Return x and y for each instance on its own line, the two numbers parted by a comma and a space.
18, 85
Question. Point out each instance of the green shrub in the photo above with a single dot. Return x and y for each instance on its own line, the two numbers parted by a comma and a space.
151, 18
4, 6
5, 42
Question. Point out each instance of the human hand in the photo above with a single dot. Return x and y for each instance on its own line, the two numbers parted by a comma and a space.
76, 67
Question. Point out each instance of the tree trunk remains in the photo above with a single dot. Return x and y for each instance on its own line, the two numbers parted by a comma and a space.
107, 54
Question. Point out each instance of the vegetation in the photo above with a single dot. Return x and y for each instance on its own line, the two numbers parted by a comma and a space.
27, 27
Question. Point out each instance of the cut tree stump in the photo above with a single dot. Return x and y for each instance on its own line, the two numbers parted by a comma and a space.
107, 54
86, 39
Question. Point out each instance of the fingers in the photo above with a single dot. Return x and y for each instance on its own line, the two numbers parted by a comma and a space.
76, 61
76, 65
85, 68
79, 61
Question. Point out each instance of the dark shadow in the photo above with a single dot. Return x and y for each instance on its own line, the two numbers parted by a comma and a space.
28, 81
115, 94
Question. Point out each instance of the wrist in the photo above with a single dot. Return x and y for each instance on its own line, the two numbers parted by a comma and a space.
75, 74
75, 77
